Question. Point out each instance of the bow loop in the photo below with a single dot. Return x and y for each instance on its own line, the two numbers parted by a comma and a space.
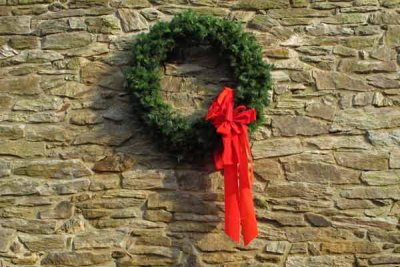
232, 123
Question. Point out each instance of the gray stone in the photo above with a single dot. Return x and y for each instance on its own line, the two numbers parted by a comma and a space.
320, 261
366, 118
31, 226
76, 258
363, 99
385, 17
277, 247
180, 202
382, 222
346, 19
390, 177
46, 27
261, 4
364, 66
15, 24
71, 187
7, 236
11, 131
381, 81
132, 20
98, 239
345, 204
335, 80
389, 259
317, 220
372, 192
60, 41
18, 186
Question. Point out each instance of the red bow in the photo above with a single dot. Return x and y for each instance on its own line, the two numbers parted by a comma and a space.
232, 123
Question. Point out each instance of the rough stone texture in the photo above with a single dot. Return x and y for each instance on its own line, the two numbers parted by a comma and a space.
82, 184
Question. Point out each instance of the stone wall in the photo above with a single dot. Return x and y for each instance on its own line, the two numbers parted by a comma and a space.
82, 184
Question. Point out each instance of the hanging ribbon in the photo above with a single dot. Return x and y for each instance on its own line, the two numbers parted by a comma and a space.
236, 161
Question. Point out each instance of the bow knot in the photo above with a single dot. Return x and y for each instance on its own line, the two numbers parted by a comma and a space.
232, 123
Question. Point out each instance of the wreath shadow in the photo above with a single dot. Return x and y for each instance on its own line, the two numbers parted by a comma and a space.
183, 205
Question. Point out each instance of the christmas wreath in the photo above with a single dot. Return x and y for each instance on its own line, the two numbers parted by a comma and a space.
182, 137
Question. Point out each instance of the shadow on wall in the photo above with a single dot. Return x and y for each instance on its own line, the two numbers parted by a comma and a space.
88, 183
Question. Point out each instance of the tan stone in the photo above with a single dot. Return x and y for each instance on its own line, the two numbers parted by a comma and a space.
58, 169
268, 169
10, 131
104, 182
98, 239
394, 160
276, 147
76, 258
216, 242
22, 149
370, 160
148, 179
261, 4
31, 226
43, 242
338, 141
6, 238
22, 85
62, 210
158, 215
319, 172
298, 125
391, 36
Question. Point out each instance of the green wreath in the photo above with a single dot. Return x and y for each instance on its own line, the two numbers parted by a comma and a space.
191, 138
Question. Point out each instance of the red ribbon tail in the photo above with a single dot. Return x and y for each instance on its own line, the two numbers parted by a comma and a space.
231, 196
247, 211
